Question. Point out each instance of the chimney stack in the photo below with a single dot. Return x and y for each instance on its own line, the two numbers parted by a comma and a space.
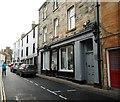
33, 24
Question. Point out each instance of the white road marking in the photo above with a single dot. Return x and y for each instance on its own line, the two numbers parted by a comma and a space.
57, 91
51, 92
62, 97
36, 84
16, 98
31, 81
43, 87
70, 90
26, 79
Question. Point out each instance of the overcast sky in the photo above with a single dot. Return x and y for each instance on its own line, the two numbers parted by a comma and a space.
16, 17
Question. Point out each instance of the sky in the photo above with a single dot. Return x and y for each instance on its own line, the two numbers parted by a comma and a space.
16, 17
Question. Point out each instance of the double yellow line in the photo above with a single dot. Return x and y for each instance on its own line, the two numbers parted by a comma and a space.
3, 96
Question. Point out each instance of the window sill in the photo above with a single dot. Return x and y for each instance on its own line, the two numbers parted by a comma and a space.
55, 9
65, 70
55, 37
44, 42
71, 30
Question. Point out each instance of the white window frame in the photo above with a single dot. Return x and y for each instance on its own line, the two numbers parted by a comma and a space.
45, 12
71, 18
56, 27
66, 55
46, 61
55, 5
44, 34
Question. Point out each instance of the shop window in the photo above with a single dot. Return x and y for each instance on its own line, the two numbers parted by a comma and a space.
67, 58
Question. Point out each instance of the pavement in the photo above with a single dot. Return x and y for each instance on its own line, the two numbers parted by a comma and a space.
113, 93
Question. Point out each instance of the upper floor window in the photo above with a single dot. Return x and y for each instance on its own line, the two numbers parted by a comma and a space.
22, 53
27, 38
55, 4
44, 12
34, 48
44, 34
22, 42
33, 33
56, 27
26, 51
71, 18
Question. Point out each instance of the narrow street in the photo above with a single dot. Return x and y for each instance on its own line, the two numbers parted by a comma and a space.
36, 88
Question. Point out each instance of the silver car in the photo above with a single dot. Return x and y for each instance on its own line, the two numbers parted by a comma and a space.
15, 66
28, 69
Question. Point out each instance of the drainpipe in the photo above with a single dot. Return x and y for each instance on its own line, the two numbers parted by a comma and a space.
98, 44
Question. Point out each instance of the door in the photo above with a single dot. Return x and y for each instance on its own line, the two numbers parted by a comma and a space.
114, 59
89, 67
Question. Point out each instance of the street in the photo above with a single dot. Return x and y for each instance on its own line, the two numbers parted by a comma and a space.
36, 88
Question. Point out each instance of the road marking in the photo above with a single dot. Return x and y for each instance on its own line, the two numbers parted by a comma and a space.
16, 98
3, 96
57, 91
43, 87
36, 84
31, 81
71, 90
26, 79
62, 97
51, 92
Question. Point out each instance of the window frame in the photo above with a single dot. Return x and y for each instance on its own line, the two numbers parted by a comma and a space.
55, 4
44, 34
27, 39
56, 24
67, 58
34, 33
71, 16
26, 51
33, 47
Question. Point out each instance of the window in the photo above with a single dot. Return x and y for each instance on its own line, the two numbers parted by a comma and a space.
67, 58
27, 38
44, 34
71, 18
34, 48
33, 33
55, 4
44, 12
56, 27
22, 42
22, 53
46, 60
26, 51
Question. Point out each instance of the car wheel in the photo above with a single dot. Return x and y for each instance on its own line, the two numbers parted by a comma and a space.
21, 74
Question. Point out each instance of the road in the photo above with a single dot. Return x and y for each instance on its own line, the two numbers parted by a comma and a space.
36, 88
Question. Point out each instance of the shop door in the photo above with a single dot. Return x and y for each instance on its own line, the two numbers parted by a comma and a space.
114, 59
90, 68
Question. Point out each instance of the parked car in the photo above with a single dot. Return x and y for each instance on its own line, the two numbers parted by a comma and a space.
10, 64
15, 66
27, 69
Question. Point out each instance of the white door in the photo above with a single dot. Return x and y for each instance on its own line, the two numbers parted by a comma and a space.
89, 68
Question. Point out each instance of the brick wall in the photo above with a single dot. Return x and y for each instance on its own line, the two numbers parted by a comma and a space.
110, 17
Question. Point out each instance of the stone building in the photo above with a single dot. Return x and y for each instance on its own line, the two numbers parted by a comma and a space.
66, 37
110, 17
